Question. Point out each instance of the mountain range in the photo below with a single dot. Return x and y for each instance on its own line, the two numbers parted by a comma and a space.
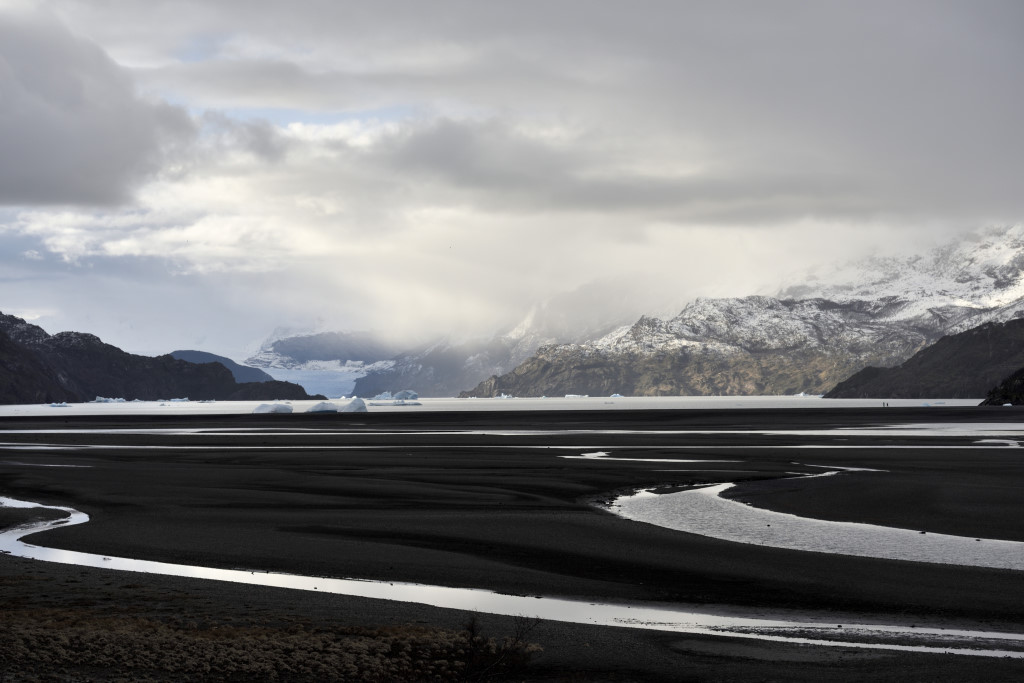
807, 338
37, 367
943, 323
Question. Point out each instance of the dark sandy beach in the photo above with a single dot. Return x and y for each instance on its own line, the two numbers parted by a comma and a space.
454, 499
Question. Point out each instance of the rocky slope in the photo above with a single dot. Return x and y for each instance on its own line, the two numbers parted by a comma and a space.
25, 378
72, 366
809, 337
964, 365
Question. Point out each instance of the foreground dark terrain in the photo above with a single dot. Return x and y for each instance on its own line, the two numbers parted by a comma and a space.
485, 500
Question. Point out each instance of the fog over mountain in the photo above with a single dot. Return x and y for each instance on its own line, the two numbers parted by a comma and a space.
192, 175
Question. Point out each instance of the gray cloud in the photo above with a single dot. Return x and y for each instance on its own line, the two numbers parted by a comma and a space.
259, 138
446, 165
849, 111
72, 129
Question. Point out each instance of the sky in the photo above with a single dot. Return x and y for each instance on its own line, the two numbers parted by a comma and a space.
196, 174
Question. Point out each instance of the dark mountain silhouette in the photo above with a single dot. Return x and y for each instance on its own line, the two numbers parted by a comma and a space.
241, 373
1010, 390
964, 365
74, 366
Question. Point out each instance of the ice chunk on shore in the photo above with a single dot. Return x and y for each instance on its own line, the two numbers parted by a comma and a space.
323, 407
356, 405
265, 408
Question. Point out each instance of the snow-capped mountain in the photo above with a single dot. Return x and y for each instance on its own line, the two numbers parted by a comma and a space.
964, 282
812, 335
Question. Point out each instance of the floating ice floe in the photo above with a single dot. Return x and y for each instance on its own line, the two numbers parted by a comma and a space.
266, 408
103, 399
323, 407
62, 404
356, 405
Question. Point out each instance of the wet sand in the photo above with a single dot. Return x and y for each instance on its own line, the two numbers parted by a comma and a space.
428, 502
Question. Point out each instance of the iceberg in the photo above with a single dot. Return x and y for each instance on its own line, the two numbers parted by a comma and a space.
323, 407
266, 408
385, 396
102, 399
356, 405
406, 395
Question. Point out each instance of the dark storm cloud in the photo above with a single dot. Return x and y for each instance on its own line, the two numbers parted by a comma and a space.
72, 129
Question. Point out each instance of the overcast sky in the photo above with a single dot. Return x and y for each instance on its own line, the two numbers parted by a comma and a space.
195, 174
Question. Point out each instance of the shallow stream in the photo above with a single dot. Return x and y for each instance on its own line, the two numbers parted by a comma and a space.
800, 629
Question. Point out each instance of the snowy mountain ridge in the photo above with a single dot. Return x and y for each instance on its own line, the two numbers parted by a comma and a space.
955, 287
982, 271
878, 311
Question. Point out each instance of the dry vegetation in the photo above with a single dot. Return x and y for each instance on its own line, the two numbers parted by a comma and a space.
74, 645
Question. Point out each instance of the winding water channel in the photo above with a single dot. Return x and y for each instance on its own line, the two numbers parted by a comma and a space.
705, 512
808, 629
